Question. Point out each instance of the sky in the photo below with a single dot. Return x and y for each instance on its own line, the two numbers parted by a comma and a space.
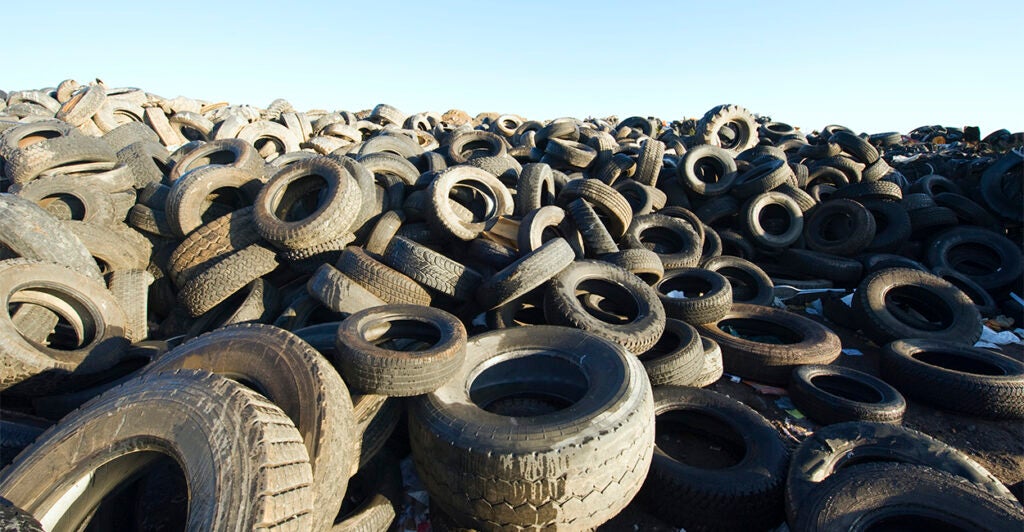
871, 66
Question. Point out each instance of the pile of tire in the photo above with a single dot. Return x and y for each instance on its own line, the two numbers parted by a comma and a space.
227, 317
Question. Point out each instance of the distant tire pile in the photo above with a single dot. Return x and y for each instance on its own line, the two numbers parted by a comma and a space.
217, 311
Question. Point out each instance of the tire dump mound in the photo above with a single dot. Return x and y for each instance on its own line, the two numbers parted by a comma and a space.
229, 317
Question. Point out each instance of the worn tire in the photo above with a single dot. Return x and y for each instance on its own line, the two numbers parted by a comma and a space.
834, 394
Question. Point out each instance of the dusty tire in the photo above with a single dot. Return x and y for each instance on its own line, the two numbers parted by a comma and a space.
799, 340
744, 494
878, 494
643, 316
899, 303
677, 357
593, 455
834, 394
955, 377
833, 447
29, 231
243, 459
707, 295
400, 350
297, 379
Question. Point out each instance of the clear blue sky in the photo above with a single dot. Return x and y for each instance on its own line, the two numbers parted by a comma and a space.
872, 66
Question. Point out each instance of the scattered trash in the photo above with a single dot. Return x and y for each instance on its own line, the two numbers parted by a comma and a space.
852, 352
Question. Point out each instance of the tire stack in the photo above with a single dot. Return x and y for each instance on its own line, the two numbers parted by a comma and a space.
234, 317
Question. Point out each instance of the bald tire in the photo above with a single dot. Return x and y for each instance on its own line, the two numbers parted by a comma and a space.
243, 459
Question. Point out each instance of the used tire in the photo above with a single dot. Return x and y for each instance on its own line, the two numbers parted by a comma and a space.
242, 458
765, 344
834, 394
955, 377
738, 488
542, 426
706, 295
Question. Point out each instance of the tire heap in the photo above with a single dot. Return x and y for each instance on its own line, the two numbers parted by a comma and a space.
222, 316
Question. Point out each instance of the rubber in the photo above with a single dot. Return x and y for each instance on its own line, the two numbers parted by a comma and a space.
834, 394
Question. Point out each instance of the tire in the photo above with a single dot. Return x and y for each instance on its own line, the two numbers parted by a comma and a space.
863, 495
831, 449
1001, 189
734, 117
432, 269
235, 153
707, 295
298, 380
30, 368
672, 239
596, 239
390, 285
115, 248
745, 494
643, 320
819, 265
800, 341
373, 498
440, 214
15, 519
65, 198
339, 292
283, 220
840, 227
215, 284
243, 459
676, 358
750, 284
954, 377
29, 231
892, 225
936, 309
486, 434
987, 258
27, 163
400, 350
642, 263
131, 289
712, 369
834, 394
129, 133
611, 206
535, 188
525, 274
707, 170
190, 197
211, 242
762, 178
767, 231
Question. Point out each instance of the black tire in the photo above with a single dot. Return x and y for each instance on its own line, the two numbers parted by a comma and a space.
987, 258
210, 243
28, 231
611, 206
390, 285
525, 274
400, 350
832, 448
99, 325
191, 197
834, 394
535, 188
432, 269
899, 303
1001, 187
642, 319
781, 341
596, 239
865, 496
339, 292
707, 170
707, 295
955, 377
820, 265
762, 178
773, 220
840, 227
374, 497
215, 284
442, 217
243, 460
892, 225
284, 219
293, 376
642, 263
676, 358
506, 415
750, 284
738, 488
672, 239
738, 120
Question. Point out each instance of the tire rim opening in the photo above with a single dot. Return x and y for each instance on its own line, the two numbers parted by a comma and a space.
669, 343
974, 259
533, 385
919, 308
662, 240
760, 331
698, 439
709, 170
775, 219
691, 287
615, 304
836, 228
847, 388
75, 325
301, 198
64, 206
744, 284
403, 335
